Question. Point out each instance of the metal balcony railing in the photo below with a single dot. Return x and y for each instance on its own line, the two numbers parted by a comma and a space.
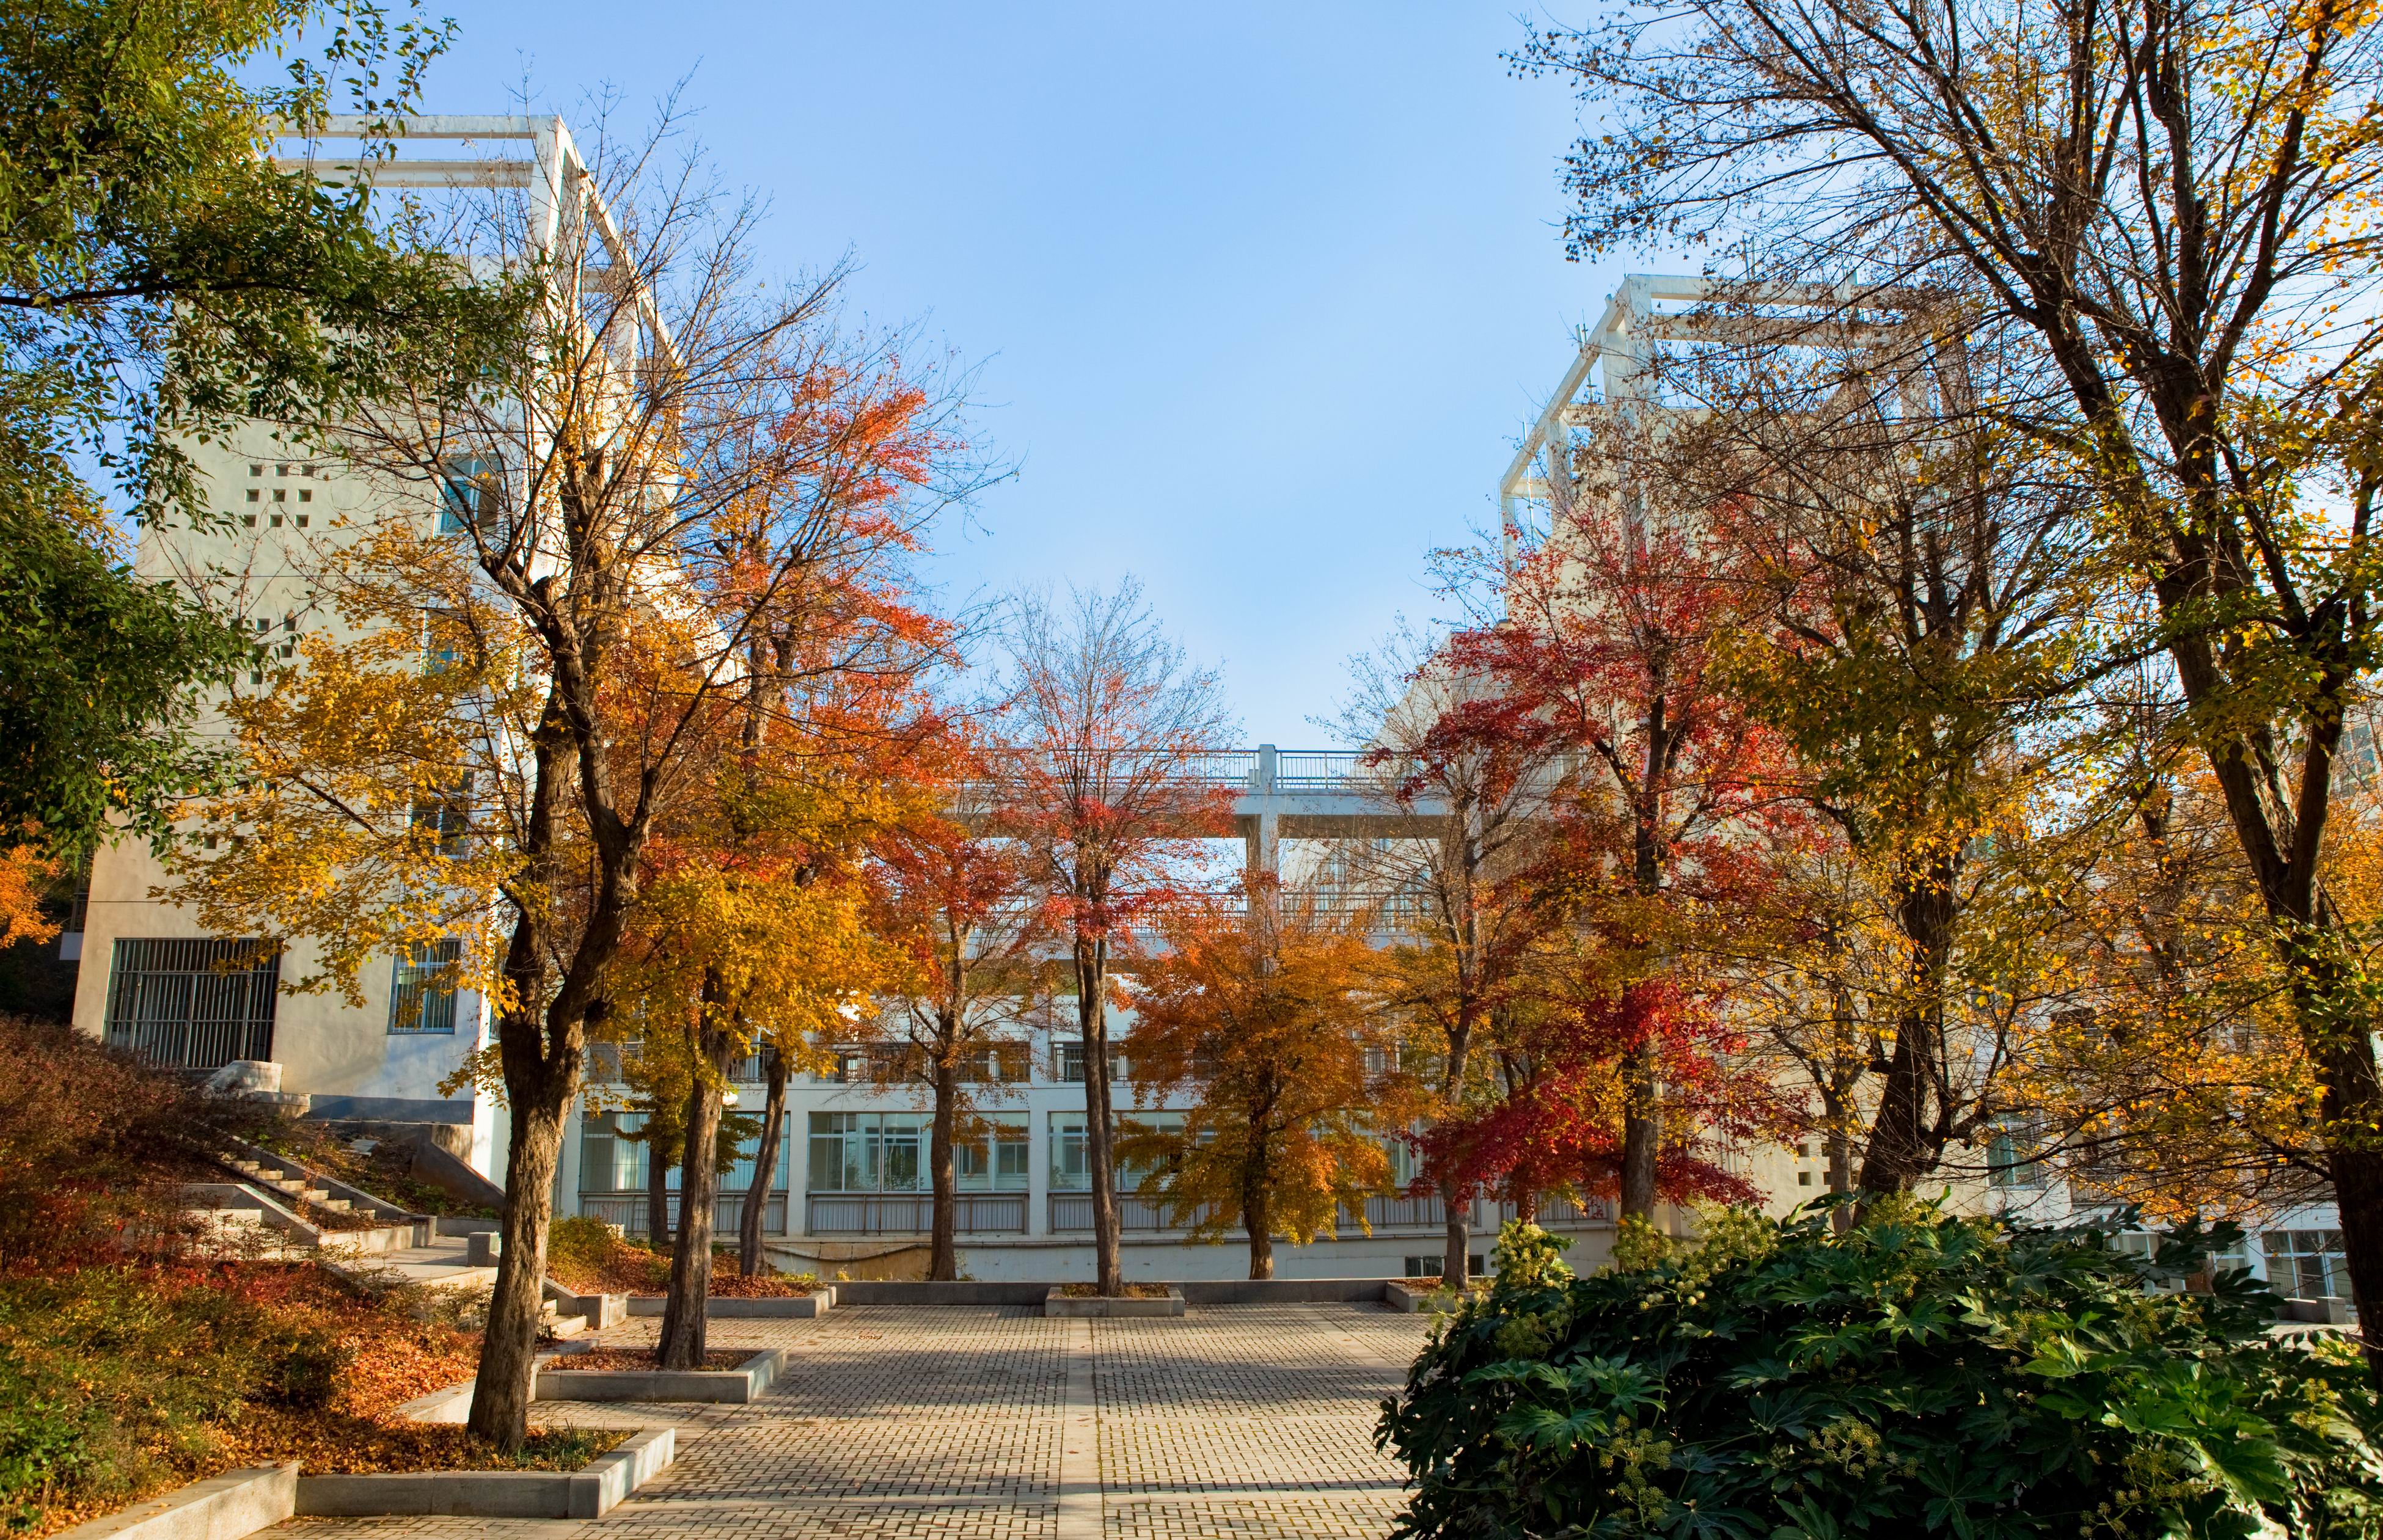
628, 1211
1071, 1212
913, 1213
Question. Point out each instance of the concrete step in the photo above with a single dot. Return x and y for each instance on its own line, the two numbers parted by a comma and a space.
567, 1326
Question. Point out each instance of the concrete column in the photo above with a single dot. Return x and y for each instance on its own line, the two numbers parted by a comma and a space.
1263, 849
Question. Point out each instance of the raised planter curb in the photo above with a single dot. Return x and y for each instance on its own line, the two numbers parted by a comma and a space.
1056, 1304
450, 1405
914, 1291
588, 1494
735, 1386
221, 1508
1281, 1291
784, 1307
1398, 1296
601, 1310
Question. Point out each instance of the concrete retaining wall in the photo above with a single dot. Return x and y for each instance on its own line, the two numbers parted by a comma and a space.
222, 1508
1212, 1291
733, 1386
793, 1307
588, 1494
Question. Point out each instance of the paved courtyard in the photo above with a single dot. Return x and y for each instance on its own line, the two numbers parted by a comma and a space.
993, 1423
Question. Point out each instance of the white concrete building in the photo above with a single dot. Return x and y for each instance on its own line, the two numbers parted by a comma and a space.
851, 1189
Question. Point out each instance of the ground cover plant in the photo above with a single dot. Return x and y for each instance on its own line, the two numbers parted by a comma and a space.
587, 1256
1921, 1373
95, 1146
118, 1382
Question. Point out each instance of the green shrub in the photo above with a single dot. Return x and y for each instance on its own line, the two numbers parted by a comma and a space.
1920, 1374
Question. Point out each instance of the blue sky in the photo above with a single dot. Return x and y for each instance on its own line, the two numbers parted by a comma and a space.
1261, 295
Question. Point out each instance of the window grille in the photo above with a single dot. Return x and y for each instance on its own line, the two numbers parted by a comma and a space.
421, 987
194, 1003
1071, 1061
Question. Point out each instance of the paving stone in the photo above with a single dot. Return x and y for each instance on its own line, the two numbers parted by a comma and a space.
895, 1423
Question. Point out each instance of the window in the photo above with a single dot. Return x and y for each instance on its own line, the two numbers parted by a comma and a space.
996, 1063
2012, 1159
445, 819
421, 987
869, 1152
859, 1067
2307, 1264
990, 1158
1434, 1265
194, 1003
611, 1163
439, 640
469, 494
1071, 1061
252, 494
1071, 1169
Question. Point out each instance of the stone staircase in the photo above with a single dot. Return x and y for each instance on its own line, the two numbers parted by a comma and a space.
263, 1215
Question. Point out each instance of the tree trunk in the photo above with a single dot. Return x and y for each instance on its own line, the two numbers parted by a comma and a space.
1257, 1214
1905, 1144
659, 1157
1840, 1147
501, 1396
1459, 1247
943, 1255
682, 1343
750, 1259
1092, 1015
1642, 1133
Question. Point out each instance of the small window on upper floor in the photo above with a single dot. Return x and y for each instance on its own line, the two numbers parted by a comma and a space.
256, 470
468, 498
281, 469
252, 495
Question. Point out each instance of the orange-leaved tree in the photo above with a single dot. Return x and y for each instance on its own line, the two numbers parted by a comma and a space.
958, 907
1263, 1016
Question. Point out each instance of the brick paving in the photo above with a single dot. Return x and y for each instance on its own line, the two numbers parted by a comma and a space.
998, 1424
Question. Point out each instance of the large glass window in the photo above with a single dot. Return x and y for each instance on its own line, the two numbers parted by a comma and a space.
1071, 1167
609, 1162
992, 1156
2307, 1264
193, 1003
890, 1152
421, 987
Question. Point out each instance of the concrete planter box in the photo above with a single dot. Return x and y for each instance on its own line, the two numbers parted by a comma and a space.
1405, 1297
222, 1508
789, 1307
1056, 1304
737, 1385
589, 1494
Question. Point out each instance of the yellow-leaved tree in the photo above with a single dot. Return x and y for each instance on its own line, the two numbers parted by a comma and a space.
1263, 1017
